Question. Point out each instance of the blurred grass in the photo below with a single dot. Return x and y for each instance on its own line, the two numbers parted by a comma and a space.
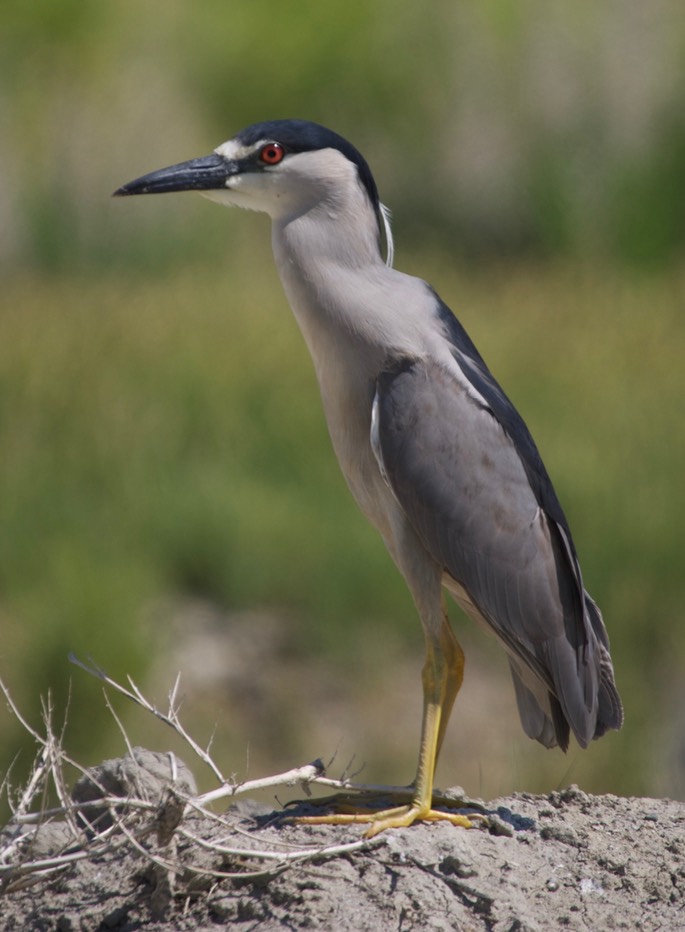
535, 130
162, 439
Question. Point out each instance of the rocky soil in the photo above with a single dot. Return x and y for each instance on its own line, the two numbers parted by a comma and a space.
564, 861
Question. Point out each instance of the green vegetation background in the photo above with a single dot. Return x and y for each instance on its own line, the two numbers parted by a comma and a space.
161, 442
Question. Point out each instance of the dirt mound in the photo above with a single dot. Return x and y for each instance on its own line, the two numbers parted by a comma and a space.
567, 861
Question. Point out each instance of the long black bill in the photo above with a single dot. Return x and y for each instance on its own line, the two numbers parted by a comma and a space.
203, 174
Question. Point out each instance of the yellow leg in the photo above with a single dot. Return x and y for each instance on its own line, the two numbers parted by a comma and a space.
454, 674
442, 676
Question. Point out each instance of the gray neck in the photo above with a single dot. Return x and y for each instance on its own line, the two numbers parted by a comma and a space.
328, 259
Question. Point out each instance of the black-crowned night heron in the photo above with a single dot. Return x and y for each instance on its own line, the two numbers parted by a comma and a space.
435, 454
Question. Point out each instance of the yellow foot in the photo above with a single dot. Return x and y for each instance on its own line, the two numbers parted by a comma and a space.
400, 817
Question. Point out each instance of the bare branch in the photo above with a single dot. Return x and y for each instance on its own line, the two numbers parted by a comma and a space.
308, 853
169, 718
135, 822
302, 775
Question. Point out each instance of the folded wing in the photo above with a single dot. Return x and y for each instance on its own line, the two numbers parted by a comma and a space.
464, 468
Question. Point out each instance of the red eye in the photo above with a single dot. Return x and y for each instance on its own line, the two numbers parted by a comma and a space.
272, 153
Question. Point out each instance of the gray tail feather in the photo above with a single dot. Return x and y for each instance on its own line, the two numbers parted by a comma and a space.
609, 705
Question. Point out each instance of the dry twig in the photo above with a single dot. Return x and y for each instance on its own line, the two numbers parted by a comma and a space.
154, 823
134, 820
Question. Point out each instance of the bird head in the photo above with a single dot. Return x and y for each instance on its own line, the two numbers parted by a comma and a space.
281, 167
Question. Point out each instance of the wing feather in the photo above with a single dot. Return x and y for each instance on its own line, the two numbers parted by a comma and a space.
462, 465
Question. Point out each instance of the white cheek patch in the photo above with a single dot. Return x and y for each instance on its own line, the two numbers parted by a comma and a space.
218, 196
237, 192
224, 196
234, 151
